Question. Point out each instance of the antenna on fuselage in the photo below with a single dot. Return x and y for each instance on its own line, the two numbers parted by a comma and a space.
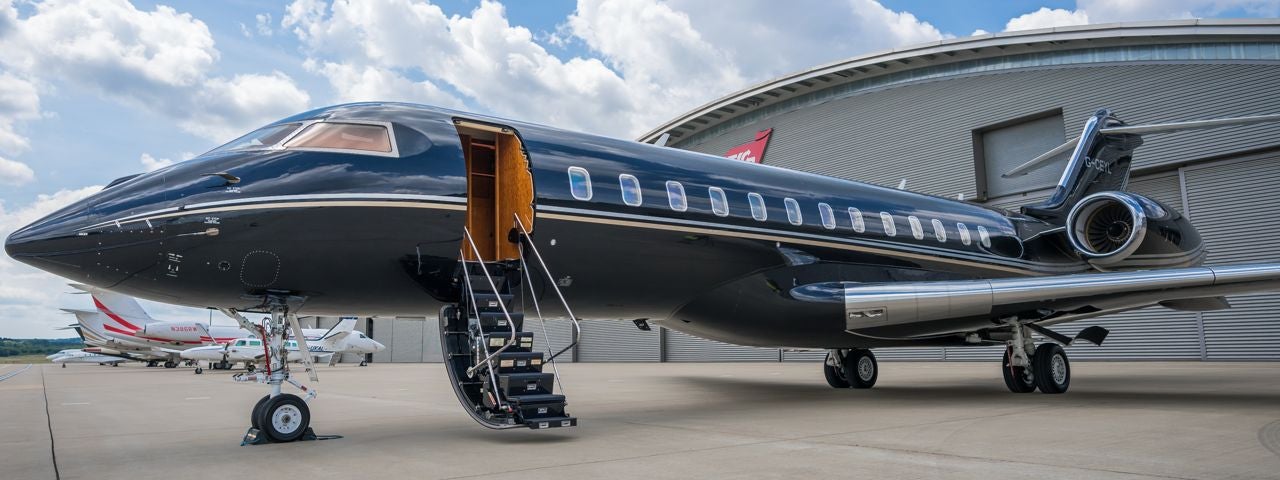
902, 185
662, 141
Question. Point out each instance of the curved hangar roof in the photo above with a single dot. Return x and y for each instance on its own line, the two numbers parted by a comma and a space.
998, 51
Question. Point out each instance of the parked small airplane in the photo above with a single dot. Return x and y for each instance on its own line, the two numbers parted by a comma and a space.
88, 357
397, 209
250, 351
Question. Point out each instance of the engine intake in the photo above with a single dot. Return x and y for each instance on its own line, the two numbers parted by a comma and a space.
1119, 230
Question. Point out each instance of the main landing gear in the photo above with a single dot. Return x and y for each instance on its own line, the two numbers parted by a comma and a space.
856, 368
1026, 367
278, 417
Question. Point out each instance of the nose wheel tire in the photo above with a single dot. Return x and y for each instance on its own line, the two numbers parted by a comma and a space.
283, 418
364, 363
1052, 369
861, 369
835, 375
1016, 378
199, 370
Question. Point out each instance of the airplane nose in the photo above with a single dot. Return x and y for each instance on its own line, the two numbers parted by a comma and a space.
378, 347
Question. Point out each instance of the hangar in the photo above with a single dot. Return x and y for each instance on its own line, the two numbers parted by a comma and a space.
947, 118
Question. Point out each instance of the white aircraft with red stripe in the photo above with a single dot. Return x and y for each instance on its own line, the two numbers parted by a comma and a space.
126, 320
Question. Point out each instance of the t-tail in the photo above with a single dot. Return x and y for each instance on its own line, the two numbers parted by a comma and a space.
1109, 227
122, 310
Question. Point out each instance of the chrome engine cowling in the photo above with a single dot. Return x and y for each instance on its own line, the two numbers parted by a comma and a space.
1122, 230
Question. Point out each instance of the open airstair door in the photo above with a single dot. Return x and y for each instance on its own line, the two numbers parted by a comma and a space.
496, 373
499, 186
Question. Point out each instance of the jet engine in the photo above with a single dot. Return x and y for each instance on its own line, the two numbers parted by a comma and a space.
1120, 230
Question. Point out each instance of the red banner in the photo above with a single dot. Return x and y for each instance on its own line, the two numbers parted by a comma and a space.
752, 151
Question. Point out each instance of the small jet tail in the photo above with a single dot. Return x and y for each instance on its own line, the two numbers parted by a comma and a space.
345, 326
122, 310
89, 324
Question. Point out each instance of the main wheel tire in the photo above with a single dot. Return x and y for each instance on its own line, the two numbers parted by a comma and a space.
284, 418
1016, 378
249, 368
257, 411
861, 369
170, 364
199, 370
835, 375
1052, 369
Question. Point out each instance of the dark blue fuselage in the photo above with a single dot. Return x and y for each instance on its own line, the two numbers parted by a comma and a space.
379, 235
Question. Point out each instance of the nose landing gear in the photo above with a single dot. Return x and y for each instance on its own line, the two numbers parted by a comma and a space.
278, 417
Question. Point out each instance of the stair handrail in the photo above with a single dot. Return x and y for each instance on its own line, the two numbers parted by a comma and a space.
541, 321
577, 328
488, 361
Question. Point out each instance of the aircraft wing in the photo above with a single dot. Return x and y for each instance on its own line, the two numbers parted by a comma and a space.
940, 307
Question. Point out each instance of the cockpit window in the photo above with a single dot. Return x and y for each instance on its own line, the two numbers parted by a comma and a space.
260, 139
344, 136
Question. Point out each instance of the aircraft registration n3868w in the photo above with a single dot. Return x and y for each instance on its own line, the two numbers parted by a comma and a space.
395, 209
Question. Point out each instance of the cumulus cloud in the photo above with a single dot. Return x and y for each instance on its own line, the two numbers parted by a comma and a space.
15, 173
19, 102
25, 292
651, 59
150, 163
263, 22
158, 60
1047, 18
1109, 11
227, 107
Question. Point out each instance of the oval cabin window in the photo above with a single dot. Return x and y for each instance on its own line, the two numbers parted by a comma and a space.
793, 211
855, 217
757, 207
917, 230
675, 196
965, 237
630, 190
939, 230
886, 220
579, 183
828, 217
719, 204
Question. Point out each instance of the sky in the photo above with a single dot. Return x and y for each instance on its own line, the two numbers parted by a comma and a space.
93, 90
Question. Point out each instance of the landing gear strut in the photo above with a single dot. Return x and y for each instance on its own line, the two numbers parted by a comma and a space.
278, 417
1026, 367
855, 368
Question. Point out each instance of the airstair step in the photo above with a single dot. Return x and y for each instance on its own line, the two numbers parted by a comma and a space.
497, 322
515, 384
523, 341
488, 302
520, 362
551, 422
480, 283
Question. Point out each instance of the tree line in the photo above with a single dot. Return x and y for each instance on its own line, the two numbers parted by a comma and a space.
10, 347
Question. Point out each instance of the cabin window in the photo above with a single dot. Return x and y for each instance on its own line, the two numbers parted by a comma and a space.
675, 196
359, 137
828, 217
939, 230
719, 204
240, 343
964, 233
255, 343
916, 230
758, 211
886, 220
855, 217
580, 183
630, 190
984, 236
793, 211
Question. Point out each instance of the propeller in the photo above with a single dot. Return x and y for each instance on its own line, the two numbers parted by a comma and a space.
1171, 127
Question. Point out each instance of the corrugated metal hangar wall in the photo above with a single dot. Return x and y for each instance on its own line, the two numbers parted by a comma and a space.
953, 134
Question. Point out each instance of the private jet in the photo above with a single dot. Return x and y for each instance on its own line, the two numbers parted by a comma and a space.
400, 209
250, 351
80, 356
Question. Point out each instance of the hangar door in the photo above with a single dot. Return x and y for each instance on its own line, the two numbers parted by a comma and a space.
682, 347
1234, 206
618, 341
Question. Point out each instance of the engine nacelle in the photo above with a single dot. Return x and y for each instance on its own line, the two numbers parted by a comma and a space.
1121, 230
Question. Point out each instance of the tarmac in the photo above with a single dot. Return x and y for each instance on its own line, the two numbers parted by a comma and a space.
659, 420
